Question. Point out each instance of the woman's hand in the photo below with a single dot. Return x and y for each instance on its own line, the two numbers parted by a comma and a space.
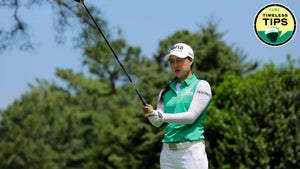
148, 110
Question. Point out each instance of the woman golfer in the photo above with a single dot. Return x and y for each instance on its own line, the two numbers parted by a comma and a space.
182, 105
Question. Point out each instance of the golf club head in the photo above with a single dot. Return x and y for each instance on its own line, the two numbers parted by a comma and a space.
80, 1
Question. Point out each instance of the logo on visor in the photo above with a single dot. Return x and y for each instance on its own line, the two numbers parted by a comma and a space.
177, 47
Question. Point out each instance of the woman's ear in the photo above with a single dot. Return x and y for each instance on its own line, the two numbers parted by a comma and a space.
191, 61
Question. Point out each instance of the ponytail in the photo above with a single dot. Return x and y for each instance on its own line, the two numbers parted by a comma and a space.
166, 88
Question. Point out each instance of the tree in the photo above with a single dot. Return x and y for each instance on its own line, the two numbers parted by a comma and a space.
254, 120
213, 58
66, 15
52, 128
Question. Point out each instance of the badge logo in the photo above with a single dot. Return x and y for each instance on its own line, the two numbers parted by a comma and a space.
275, 25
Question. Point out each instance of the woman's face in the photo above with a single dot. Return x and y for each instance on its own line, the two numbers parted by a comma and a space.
181, 67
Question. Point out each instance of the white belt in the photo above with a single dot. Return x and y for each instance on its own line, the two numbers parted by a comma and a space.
182, 145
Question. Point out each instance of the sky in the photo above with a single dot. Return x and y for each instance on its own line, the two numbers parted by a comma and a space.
143, 24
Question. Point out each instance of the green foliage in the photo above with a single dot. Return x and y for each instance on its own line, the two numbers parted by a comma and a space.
213, 58
254, 120
49, 128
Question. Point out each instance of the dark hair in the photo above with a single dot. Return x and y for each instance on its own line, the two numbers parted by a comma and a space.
166, 88
192, 61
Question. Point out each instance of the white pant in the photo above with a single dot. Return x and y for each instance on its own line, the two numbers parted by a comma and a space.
193, 157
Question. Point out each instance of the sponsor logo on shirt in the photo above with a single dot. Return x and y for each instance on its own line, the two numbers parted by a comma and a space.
203, 92
187, 92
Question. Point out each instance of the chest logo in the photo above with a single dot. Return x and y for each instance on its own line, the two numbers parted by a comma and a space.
187, 92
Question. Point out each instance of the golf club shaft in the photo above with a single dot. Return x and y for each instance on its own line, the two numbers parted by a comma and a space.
115, 55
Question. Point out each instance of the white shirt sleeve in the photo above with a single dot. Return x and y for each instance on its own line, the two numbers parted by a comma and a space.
199, 103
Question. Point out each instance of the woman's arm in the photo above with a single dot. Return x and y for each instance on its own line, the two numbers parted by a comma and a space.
199, 103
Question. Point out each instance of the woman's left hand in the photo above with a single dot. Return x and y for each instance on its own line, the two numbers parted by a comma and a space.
148, 110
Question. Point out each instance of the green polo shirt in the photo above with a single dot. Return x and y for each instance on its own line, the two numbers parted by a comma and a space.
177, 102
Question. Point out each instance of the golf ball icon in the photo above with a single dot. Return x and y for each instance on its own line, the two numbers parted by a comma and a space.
272, 34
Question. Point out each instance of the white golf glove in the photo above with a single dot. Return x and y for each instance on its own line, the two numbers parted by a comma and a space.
155, 118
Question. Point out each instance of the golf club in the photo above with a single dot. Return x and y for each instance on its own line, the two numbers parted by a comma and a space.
123, 68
